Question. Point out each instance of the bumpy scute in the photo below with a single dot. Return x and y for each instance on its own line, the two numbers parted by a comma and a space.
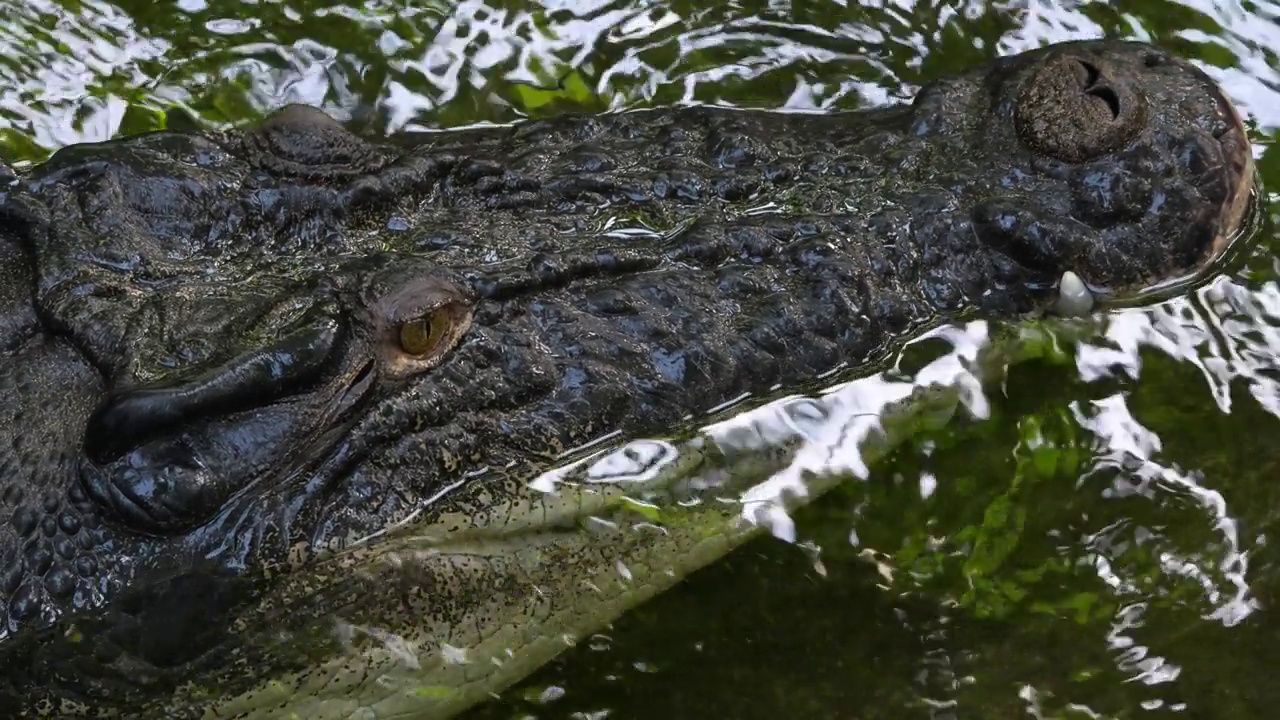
302, 141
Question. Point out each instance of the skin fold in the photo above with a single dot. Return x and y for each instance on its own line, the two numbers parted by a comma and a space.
230, 361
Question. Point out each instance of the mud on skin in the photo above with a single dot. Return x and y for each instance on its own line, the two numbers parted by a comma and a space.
222, 352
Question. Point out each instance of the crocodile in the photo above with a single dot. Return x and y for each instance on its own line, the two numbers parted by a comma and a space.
273, 395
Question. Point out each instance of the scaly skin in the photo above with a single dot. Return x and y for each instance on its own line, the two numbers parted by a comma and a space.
211, 394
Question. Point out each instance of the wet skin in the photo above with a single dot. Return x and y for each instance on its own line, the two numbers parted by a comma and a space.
227, 354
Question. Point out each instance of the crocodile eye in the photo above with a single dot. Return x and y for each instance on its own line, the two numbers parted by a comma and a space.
418, 316
1075, 110
423, 336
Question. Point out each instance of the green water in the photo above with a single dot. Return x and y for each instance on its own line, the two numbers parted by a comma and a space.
1104, 546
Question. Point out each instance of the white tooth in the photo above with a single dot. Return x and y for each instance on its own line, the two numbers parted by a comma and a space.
1074, 299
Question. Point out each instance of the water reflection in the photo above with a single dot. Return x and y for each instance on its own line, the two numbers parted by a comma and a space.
85, 71
1147, 551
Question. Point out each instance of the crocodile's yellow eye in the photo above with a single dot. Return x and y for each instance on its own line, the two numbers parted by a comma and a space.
423, 336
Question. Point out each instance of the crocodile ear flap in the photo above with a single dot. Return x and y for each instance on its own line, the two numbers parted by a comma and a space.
165, 459
1075, 110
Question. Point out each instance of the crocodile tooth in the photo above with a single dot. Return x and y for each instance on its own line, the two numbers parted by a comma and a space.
1074, 299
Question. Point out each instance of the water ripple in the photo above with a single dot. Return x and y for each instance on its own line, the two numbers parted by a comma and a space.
91, 70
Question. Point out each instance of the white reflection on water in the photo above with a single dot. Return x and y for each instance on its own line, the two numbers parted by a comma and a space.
853, 413
1248, 36
1127, 449
1224, 333
47, 87
1225, 330
72, 70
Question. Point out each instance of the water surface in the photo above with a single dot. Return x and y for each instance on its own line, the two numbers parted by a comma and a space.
1102, 544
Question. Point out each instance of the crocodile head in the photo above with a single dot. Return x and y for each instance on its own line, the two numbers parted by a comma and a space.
227, 356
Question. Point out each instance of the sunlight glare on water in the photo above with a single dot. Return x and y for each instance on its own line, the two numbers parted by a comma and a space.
1125, 459
86, 71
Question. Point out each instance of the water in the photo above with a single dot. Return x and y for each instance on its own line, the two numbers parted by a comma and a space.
1100, 543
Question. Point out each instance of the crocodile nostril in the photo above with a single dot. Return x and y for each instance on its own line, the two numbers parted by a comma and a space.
1108, 96
1091, 74
1093, 85
1075, 110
